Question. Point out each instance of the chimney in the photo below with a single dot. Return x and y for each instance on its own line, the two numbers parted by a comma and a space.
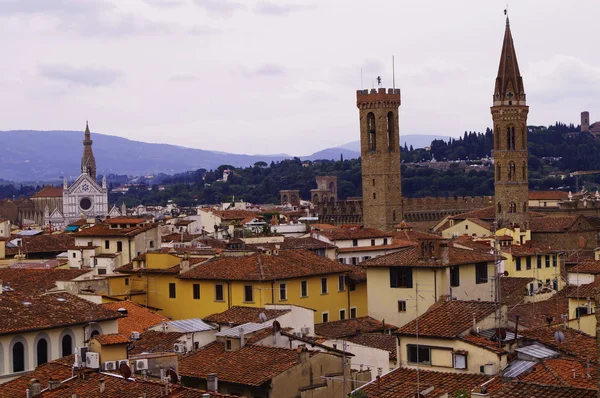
102, 385
185, 263
212, 382
35, 388
303, 354
444, 253
53, 384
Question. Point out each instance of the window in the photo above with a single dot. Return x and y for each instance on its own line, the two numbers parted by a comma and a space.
172, 293
324, 289
282, 292
74, 255
371, 131
354, 242
196, 291
466, 227
384, 241
42, 351
518, 265
95, 261
107, 244
390, 131
248, 294
67, 345
219, 296
401, 277
303, 288
126, 281
454, 276
418, 354
325, 317
342, 315
579, 311
101, 271
354, 260
374, 195
539, 261
528, 262
341, 283
342, 260
460, 360
18, 360
119, 246
353, 312
228, 345
547, 261
151, 244
372, 242
401, 306
481, 273
554, 260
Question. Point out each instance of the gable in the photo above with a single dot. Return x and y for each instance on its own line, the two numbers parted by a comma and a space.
581, 223
84, 184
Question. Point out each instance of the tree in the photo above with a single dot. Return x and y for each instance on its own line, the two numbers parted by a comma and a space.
260, 164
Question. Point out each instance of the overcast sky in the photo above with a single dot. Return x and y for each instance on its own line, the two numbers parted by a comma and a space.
279, 76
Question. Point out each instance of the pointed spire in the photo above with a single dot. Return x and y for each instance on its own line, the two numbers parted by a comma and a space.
509, 88
88, 162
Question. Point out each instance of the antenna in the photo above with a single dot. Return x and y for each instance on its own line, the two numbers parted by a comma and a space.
393, 74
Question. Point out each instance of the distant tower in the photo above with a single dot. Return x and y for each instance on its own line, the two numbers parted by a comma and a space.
88, 162
380, 156
585, 121
509, 114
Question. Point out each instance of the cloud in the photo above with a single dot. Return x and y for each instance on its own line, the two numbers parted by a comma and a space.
224, 7
166, 3
183, 78
265, 70
203, 30
52, 7
114, 25
269, 8
80, 76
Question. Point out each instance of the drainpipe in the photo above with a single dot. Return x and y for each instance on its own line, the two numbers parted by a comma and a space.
129, 246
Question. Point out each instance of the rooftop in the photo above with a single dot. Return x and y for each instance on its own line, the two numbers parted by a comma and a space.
353, 232
238, 315
576, 343
138, 318
586, 267
49, 192
351, 327
153, 341
104, 230
111, 339
411, 257
382, 341
31, 281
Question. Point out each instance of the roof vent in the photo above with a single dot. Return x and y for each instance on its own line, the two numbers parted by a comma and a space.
122, 311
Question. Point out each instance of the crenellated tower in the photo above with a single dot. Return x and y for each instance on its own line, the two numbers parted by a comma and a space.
88, 162
509, 114
380, 157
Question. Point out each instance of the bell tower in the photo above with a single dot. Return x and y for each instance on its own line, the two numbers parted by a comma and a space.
380, 157
509, 114
88, 162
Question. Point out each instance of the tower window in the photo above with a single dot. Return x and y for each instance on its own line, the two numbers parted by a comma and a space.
512, 207
390, 131
373, 182
499, 208
499, 172
374, 195
511, 171
372, 132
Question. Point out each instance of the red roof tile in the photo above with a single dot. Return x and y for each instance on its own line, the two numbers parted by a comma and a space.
49, 192
586, 267
548, 195
551, 223
411, 257
563, 372
152, 341
576, 343
238, 315
483, 342
103, 230
351, 327
353, 232
519, 389
112, 339
138, 318
31, 281
55, 243
387, 342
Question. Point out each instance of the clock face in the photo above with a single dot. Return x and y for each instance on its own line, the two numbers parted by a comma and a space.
85, 187
85, 204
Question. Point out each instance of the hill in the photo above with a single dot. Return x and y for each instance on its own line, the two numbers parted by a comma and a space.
414, 140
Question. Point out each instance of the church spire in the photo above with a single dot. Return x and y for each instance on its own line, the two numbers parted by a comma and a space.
509, 88
88, 162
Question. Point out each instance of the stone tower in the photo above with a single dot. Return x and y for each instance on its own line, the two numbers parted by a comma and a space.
88, 162
380, 154
585, 121
509, 114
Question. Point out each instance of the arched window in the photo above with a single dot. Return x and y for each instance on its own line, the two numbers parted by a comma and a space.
374, 195
66, 345
316, 199
390, 131
95, 333
499, 172
331, 187
324, 198
331, 199
511, 171
508, 143
285, 198
512, 136
42, 351
431, 249
372, 132
294, 199
18, 357
499, 208
497, 137
512, 208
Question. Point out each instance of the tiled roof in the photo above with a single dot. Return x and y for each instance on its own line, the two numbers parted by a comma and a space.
138, 318
30, 281
513, 289
576, 343
128, 268
483, 342
238, 315
252, 365
563, 372
537, 314
551, 223
353, 232
286, 264
531, 249
351, 327
152, 341
449, 319
125, 220
230, 215
48, 311
586, 267
112, 339
411, 257
395, 244
54, 243
357, 275
402, 383
49, 192
179, 237
485, 213
519, 389
583, 292
387, 342
55, 370
549, 195
103, 230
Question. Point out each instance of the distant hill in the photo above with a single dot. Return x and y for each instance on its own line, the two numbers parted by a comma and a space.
416, 140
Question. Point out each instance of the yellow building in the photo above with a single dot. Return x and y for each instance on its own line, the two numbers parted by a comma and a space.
196, 288
534, 260
403, 285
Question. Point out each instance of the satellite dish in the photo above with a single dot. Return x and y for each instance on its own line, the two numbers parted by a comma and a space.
262, 316
559, 336
125, 370
172, 375
276, 326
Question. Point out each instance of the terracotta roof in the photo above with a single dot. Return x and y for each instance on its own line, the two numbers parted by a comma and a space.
387, 342
55, 370
520, 389
549, 195
537, 314
513, 289
112, 339
393, 246
286, 264
55, 243
124, 220
40, 312
152, 341
103, 230
583, 292
483, 342
562, 372
252, 365
49, 192
353, 232
129, 269
576, 343
185, 237
351, 327
230, 215
586, 267
31, 281
449, 319
531, 248
138, 318
412, 235
357, 275
402, 383
551, 223
411, 257
292, 244
238, 315
481, 223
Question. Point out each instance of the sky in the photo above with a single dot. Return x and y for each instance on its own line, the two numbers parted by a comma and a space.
279, 76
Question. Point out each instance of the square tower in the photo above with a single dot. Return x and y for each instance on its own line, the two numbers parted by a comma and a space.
380, 157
